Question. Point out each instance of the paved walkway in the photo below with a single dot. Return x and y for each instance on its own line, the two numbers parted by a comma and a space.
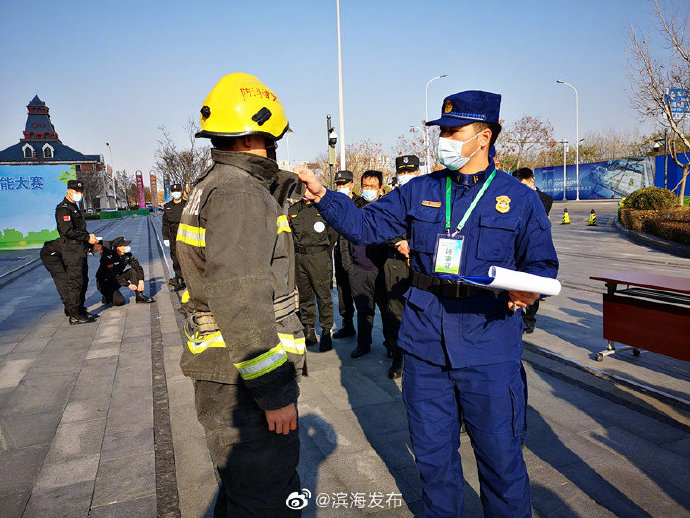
98, 420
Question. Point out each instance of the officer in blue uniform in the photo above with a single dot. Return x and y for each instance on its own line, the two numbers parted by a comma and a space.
462, 344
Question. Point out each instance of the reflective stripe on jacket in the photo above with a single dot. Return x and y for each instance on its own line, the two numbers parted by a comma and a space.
237, 257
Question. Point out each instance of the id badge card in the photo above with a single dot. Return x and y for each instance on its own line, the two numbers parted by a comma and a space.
448, 255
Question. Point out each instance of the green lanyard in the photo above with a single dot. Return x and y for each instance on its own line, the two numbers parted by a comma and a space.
470, 208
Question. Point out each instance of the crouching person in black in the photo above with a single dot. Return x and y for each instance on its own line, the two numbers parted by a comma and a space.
113, 273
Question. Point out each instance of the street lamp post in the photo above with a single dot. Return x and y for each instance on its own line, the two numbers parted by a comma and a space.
112, 172
577, 141
340, 93
427, 158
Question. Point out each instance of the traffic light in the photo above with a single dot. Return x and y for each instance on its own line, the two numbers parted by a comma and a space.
332, 141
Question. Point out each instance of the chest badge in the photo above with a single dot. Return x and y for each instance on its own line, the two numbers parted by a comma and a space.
502, 204
428, 203
319, 226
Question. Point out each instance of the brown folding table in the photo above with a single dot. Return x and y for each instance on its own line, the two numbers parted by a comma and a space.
646, 311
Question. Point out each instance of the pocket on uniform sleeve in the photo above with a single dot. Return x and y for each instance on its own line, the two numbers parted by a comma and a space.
496, 238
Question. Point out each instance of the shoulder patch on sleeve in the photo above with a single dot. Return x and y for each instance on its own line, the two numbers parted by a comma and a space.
66, 218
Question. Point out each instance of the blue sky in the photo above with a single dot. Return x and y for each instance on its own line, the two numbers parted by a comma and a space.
115, 72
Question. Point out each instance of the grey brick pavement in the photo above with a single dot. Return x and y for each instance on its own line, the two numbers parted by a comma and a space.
76, 420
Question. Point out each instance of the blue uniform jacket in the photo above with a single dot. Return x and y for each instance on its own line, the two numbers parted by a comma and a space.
448, 331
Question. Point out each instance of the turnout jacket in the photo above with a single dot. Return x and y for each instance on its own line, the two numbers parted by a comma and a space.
237, 256
172, 212
70, 224
114, 264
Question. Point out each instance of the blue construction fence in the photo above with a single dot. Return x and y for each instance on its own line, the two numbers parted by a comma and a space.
611, 179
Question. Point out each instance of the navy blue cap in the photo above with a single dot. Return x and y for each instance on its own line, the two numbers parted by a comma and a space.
467, 107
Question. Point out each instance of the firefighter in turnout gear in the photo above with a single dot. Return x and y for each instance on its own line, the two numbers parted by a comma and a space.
74, 241
172, 212
245, 350
314, 241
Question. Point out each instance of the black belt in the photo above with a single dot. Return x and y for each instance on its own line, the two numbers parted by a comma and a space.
447, 287
310, 249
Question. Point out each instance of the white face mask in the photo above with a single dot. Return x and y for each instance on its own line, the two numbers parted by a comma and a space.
128, 249
345, 190
176, 195
76, 197
403, 179
370, 194
450, 153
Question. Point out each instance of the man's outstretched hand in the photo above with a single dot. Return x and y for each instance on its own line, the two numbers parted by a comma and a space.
314, 189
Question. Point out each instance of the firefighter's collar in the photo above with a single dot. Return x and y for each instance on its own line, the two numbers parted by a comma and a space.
263, 169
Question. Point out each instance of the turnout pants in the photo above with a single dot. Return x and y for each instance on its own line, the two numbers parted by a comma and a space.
492, 401
77, 278
110, 287
56, 268
368, 291
257, 468
313, 275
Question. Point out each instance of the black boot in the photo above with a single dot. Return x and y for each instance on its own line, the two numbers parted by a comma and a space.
80, 319
325, 344
360, 351
347, 329
396, 369
143, 299
309, 335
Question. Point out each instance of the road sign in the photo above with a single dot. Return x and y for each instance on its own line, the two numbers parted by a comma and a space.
678, 101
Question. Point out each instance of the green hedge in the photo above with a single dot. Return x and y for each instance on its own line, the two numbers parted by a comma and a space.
651, 198
122, 213
672, 224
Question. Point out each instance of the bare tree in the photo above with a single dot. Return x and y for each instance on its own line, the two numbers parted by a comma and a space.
654, 75
412, 143
524, 141
359, 157
126, 188
182, 165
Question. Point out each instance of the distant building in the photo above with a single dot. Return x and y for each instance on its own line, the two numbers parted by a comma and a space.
40, 145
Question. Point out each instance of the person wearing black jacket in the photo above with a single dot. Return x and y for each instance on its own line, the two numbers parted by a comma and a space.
364, 266
113, 273
526, 176
172, 212
74, 242
346, 307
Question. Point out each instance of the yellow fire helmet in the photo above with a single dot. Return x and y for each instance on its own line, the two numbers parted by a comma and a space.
239, 105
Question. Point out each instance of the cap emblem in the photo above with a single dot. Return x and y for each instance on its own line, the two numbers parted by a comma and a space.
447, 107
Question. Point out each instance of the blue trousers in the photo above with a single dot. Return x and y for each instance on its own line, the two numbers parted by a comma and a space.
492, 402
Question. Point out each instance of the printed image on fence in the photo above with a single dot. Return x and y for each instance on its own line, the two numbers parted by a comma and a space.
28, 196
598, 180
